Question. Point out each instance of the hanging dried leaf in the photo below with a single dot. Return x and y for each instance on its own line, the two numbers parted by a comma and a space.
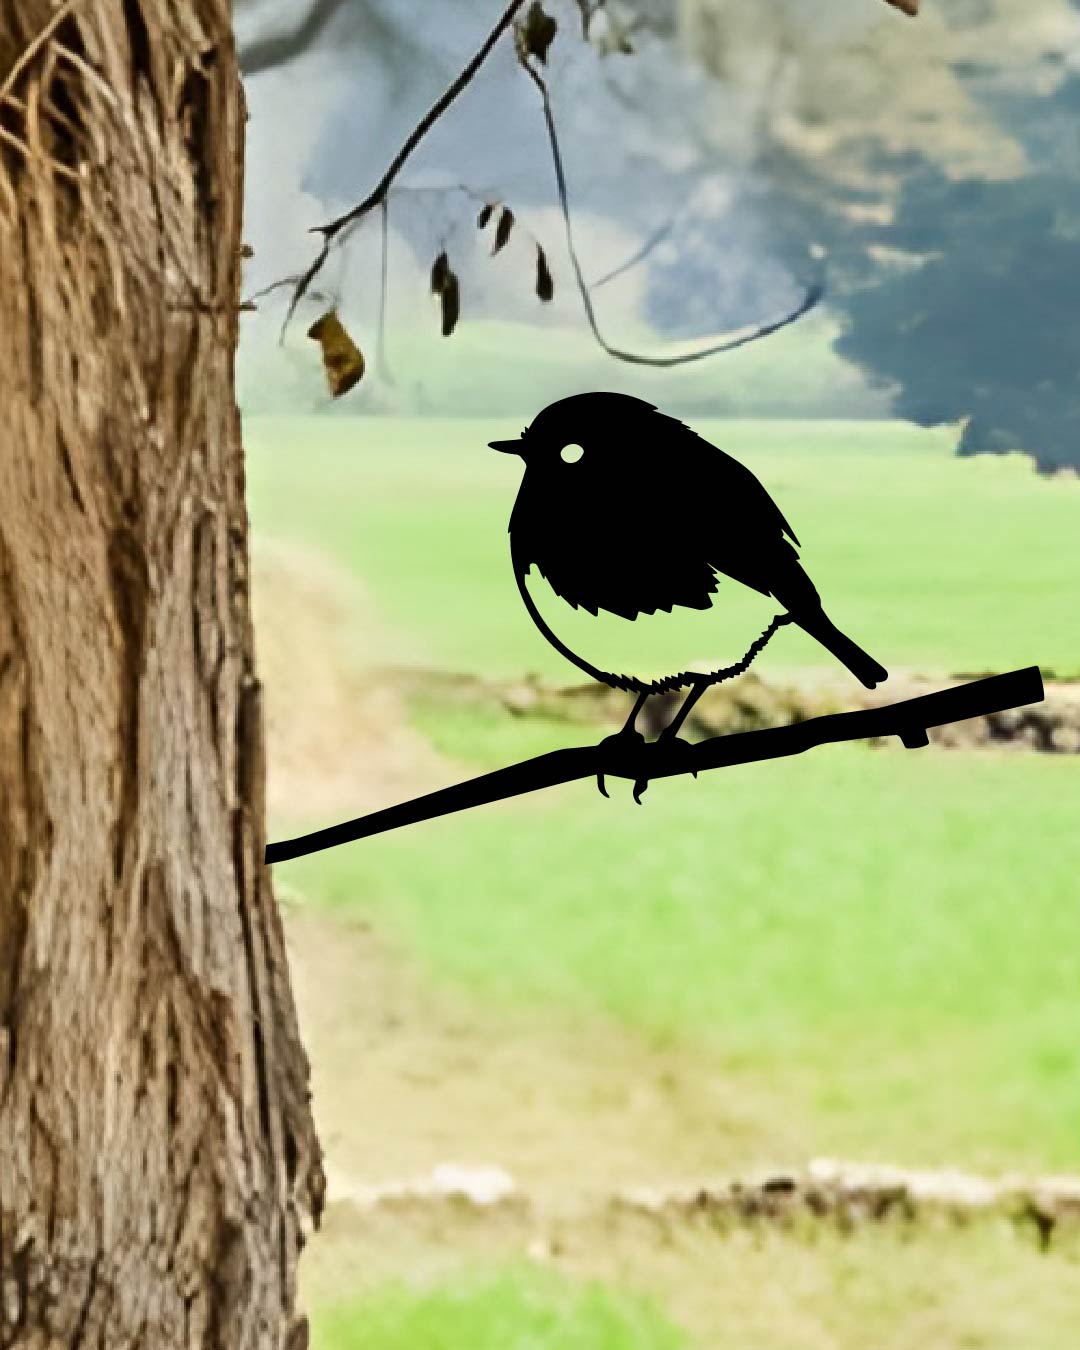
909, 7
343, 360
537, 32
450, 300
485, 215
440, 270
502, 230
545, 286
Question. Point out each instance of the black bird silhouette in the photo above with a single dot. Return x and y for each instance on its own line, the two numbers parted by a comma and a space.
626, 510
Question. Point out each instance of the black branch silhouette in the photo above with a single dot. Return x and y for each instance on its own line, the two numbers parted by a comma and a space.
910, 720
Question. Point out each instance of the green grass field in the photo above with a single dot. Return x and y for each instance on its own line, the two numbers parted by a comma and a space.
882, 947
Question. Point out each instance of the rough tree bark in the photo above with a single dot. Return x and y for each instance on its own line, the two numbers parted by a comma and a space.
158, 1161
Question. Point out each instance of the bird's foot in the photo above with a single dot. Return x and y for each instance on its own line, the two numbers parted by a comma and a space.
619, 754
628, 755
665, 756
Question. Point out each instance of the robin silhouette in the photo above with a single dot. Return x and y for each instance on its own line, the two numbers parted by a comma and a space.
626, 511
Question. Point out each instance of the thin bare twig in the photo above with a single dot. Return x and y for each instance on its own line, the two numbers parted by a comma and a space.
713, 348
274, 286
638, 256
384, 290
377, 195
910, 719
424, 125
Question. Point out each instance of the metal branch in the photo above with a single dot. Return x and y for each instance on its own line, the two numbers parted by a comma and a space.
909, 719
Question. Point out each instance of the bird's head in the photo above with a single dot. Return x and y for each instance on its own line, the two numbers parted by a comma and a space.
592, 430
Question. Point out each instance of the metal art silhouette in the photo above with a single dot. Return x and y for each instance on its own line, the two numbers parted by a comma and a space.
591, 525
587, 520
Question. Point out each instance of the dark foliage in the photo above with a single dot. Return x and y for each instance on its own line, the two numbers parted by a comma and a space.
979, 322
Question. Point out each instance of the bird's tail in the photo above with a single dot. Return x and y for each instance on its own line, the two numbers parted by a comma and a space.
861, 664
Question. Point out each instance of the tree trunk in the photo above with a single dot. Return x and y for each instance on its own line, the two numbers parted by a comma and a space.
158, 1161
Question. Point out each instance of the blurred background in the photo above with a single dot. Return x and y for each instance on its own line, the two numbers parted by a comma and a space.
546, 1036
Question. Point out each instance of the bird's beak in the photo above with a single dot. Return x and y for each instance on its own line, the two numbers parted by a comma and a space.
514, 447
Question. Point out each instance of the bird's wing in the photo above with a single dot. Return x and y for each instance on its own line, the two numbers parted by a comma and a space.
733, 488
744, 533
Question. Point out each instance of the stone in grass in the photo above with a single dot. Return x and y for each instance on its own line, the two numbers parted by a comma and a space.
1065, 738
478, 1185
956, 735
482, 1186
1006, 725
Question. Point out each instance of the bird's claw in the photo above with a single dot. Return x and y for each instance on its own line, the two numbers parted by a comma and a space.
618, 753
629, 755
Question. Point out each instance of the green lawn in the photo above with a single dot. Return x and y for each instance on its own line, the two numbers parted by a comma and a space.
503, 1310
930, 561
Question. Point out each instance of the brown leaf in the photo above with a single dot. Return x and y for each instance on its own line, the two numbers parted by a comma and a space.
440, 270
502, 230
485, 215
910, 7
343, 360
246, 251
450, 301
545, 287
537, 32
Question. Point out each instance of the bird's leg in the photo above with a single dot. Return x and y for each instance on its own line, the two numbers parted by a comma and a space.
627, 739
628, 725
669, 749
675, 725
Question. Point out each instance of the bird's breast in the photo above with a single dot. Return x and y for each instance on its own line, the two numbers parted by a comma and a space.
663, 649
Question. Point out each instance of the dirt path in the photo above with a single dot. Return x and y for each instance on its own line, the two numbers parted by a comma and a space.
338, 743
407, 1077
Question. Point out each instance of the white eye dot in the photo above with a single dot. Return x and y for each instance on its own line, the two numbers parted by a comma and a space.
570, 454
